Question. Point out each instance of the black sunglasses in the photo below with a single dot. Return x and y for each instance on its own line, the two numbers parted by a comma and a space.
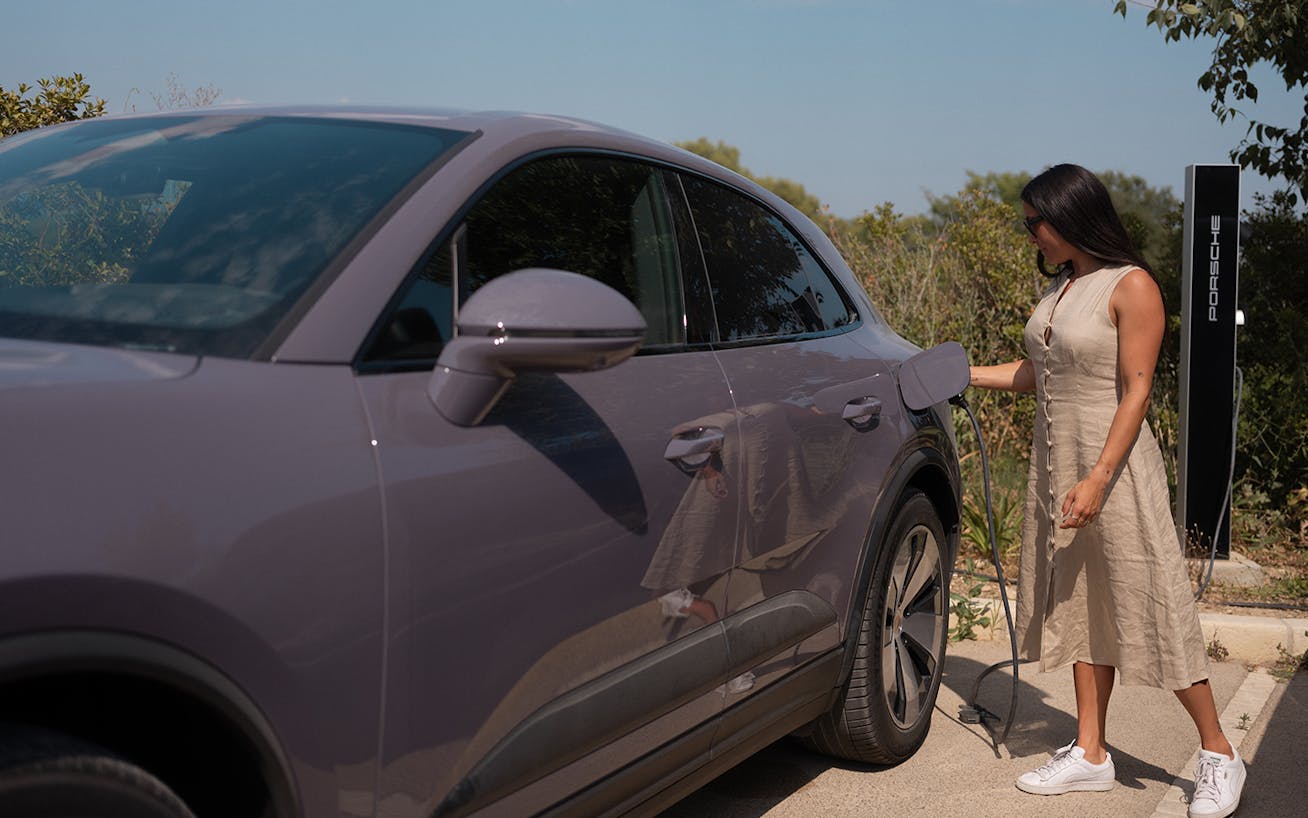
1030, 224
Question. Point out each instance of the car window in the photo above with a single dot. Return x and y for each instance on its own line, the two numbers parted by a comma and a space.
597, 216
188, 233
764, 281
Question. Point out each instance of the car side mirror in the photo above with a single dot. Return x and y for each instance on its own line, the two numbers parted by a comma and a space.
533, 320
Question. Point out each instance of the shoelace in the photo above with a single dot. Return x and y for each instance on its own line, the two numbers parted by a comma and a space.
1206, 782
1061, 759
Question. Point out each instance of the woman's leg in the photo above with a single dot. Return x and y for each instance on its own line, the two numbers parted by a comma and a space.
1197, 699
1065, 771
1094, 684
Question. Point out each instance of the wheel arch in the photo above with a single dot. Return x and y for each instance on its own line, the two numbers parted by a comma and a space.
927, 463
94, 685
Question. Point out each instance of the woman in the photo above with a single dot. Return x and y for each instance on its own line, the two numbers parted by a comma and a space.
1102, 583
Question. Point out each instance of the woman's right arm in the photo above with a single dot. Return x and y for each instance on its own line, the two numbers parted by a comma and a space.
1017, 376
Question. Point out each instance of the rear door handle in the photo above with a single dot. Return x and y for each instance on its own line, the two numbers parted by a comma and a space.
862, 410
853, 401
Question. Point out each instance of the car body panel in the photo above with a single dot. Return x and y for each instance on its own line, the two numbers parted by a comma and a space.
26, 364
574, 592
255, 545
806, 493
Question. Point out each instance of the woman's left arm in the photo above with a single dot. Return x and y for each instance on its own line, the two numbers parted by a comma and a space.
1136, 307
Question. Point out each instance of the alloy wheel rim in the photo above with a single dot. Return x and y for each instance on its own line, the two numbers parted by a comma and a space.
912, 639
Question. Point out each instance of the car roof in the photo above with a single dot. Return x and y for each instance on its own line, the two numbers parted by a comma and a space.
500, 127
435, 117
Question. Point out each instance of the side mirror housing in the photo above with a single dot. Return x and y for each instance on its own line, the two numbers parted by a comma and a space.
532, 320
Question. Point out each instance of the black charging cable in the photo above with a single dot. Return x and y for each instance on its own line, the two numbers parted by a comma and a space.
971, 712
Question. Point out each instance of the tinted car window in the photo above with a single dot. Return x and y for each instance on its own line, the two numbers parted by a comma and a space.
191, 234
600, 217
764, 282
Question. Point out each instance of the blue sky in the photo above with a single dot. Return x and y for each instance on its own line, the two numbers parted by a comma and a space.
862, 101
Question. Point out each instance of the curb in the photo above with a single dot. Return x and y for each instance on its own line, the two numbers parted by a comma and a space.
1256, 640
1259, 640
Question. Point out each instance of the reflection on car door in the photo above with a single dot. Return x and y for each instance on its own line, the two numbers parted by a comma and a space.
811, 405
558, 572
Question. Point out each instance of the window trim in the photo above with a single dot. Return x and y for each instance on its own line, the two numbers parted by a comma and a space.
683, 213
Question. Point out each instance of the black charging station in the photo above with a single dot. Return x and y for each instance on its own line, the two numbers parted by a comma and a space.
1207, 377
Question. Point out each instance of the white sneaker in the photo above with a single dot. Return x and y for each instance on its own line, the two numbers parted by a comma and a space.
1218, 781
1068, 771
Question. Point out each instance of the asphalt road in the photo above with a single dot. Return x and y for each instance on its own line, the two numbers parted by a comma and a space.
959, 773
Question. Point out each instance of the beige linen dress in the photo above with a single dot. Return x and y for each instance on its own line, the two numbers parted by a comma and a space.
1114, 592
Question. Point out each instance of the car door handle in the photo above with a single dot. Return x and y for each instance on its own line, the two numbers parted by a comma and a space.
693, 448
861, 410
854, 401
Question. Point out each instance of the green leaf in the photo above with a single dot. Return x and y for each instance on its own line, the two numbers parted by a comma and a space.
1190, 9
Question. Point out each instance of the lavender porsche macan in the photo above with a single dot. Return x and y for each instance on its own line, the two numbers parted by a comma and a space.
413, 463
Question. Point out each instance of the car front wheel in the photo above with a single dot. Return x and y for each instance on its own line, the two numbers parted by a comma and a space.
884, 712
46, 774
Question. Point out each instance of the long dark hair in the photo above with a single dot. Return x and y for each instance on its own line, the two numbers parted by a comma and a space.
1076, 204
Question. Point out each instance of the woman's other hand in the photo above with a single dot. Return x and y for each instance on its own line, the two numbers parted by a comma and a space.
1082, 505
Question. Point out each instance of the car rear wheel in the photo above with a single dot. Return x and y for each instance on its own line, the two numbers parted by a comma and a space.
44, 774
884, 712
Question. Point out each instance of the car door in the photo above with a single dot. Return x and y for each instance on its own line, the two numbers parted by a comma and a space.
557, 572
817, 414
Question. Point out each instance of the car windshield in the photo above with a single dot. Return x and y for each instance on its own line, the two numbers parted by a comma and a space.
192, 234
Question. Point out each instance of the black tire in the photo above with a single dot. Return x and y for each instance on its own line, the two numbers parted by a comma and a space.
44, 774
884, 712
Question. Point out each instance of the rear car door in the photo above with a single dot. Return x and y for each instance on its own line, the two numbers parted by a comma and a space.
817, 418
557, 572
